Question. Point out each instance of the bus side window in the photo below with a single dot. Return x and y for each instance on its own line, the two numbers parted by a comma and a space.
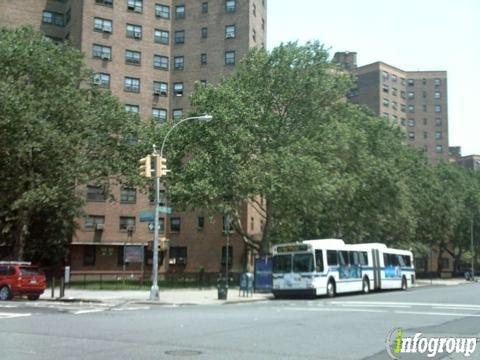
408, 260
354, 258
401, 260
343, 258
395, 259
319, 260
332, 257
386, 260
363, 258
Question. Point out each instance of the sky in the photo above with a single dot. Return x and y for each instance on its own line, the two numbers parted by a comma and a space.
411, 35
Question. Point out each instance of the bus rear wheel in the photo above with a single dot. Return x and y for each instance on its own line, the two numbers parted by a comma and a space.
365, 286
331, 288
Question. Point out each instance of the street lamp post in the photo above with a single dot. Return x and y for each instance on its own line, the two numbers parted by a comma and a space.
154, 291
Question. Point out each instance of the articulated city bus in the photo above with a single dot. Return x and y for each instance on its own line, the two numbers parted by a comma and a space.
330, 267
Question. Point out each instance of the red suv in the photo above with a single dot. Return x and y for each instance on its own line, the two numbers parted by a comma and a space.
21, 279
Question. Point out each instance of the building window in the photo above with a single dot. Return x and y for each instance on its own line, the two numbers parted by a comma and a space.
386, 115
424, 108
160, 88
102, 80
229, 57
177, 114
175, 224
128, 195
162, 11
203, 59
161, 225
105, 2
411, 95
204, 32
425, 135
94, 222
437, 95
438, 122
134, 31
395, 119
53, 18
438, 135
394, 78
438, 108
386, 102
159, 115
178, 89
89, 255
177, 255
162, 37
200, 223
135, 5
230, 32
394, 91
403, 107
402, 94
103, 25
179, 62
132, 57
224, 255
132, 108
394, 105
254, 10
204, 7
180, 12
425, 121
410, 82
439, 149
131, 84
160, 62
385, 75
230, 6
95, 193
411, 135
411, 108
127, 223
437, 82
424, 94
180, 37
385, 88
411, 122
203, 82
102, 52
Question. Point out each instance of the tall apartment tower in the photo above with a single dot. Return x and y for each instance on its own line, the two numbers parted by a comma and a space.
150, 54
414, 100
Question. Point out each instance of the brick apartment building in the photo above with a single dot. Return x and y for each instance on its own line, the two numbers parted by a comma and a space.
414, 100
150, 53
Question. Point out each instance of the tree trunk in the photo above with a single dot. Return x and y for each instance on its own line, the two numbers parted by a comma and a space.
439, 260
21, 236
267, 232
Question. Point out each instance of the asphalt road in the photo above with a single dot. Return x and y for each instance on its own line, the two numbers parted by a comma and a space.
346, 327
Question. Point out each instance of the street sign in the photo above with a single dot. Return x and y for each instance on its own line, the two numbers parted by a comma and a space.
147, 216
165, 210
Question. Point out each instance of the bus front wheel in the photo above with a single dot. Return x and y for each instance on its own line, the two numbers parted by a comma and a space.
331, 288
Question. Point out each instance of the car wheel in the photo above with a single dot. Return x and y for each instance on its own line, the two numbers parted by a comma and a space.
366, 286
331, 289
5, 293
33, 297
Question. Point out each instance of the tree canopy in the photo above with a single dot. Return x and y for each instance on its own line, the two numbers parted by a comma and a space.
57, 132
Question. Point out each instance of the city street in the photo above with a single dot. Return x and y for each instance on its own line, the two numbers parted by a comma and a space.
346, 327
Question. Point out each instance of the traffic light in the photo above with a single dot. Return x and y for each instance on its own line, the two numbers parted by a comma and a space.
161, 166
146, 166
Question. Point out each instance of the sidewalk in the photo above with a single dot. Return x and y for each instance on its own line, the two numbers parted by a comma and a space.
191, 296
167, 296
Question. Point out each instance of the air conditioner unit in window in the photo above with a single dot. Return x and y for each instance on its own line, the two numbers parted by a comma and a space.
97, 80
230, 36
131, 7
163, 93
98, 27
137, 35
138, 9
130, 228
156, 92
105, 57
172, 261
99, 227
107, 29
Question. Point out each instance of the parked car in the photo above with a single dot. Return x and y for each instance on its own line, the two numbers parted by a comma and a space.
21, 279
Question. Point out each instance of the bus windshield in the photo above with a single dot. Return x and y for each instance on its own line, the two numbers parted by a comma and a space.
282, 263
303, 263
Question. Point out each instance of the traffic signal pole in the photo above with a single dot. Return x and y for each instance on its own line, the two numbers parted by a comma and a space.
154, 291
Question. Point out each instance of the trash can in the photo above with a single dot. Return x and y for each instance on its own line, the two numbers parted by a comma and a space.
246, 284
222, 288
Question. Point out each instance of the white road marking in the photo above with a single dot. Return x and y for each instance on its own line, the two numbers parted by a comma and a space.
336, 310
427, 313
377, 305
8, 306
132, 308
459, 306
456, 308
12, 315
80, 312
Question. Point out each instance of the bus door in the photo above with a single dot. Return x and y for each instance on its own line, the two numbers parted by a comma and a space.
377, 274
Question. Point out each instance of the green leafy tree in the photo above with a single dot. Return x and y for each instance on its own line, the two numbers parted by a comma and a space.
57, 133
